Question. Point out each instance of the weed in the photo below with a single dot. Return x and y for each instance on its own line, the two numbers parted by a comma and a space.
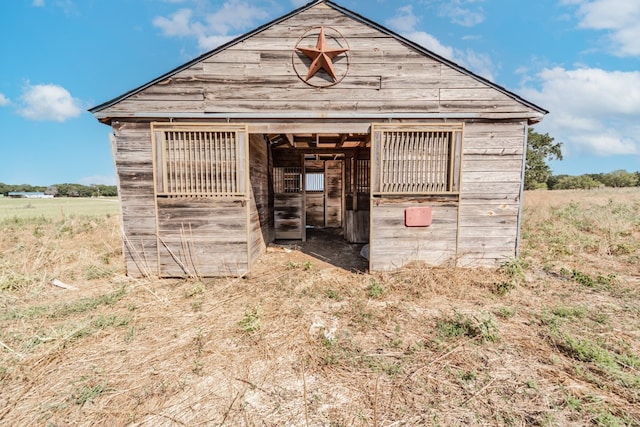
14, 281
197, 288
85, 304
506, 312
196, 306
250, 323
585, 350
97, 272
468, 376
131, 334
606, 419
308, 266
106, 321
88, 393
374, 290
514, 270
333, 294
292, 265
467, 326
570, 312
573, 403
81, 306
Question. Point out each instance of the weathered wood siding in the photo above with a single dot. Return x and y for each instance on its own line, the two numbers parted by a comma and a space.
203, 237
260, 212
394, 245
357, 226
333, 193
491, 192
258, 75
132, 156
289, 216
315, 209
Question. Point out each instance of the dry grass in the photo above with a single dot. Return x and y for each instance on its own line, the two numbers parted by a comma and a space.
303, 344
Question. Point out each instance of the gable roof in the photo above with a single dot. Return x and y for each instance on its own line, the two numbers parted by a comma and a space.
344, 11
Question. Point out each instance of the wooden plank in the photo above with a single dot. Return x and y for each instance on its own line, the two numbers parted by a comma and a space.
357, 226
395, 245
288, 216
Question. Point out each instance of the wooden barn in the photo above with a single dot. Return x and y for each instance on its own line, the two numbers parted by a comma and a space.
325, 119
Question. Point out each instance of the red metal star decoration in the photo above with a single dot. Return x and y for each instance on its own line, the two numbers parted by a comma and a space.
321, 57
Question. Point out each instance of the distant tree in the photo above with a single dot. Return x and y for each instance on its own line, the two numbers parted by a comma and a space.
540, 149
620, 178
597, 176
106, 190
51, 190
552, 181
576, 182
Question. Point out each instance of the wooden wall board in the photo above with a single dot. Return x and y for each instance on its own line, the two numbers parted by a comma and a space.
315, 209
202, 236
289, 212
393, 245
491, 192
132, 155
260, 215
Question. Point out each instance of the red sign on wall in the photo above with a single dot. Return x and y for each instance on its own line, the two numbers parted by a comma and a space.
417, 217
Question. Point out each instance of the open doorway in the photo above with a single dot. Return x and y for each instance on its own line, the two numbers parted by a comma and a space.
321, 184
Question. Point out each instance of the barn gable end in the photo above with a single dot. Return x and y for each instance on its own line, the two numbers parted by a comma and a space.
398, 128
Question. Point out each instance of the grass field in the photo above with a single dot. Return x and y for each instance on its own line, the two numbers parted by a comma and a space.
56, 208
549, 339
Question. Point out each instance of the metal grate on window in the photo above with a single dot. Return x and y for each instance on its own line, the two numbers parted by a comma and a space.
199, 162
416, 162
287, 180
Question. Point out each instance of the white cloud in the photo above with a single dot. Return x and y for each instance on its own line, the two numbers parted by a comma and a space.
459, 14
178, 25
405, 22
618, 17
211, 42
299, 3
212, 29
4, 100
592, 110
38, 3
429, 42
48, 102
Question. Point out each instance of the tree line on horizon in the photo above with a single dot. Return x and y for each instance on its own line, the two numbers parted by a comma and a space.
63, 190
541, 148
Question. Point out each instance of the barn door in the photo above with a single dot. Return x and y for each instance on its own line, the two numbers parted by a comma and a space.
201, 188
324, 193
333, 193
289, 202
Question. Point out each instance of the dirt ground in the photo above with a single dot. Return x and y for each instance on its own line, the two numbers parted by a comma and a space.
323, 248
312, 339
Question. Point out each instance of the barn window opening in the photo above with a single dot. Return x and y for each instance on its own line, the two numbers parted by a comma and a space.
196, 162
362, 176
287, 180
314, 182
418, 161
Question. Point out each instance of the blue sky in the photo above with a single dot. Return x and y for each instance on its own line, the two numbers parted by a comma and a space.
577, 58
